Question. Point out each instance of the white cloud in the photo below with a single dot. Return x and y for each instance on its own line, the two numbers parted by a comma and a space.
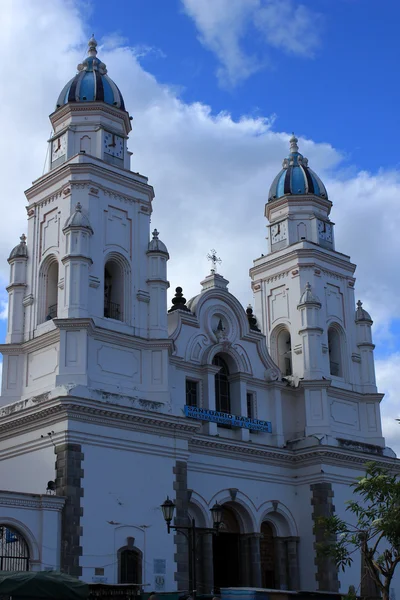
290, 27
223, 25
386, 375
211, 174
3, 310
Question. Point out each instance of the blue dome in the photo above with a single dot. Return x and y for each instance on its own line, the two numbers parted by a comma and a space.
91, 83
296, 177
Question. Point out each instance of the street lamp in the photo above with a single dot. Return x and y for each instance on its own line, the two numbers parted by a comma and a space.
168, 508
190, 533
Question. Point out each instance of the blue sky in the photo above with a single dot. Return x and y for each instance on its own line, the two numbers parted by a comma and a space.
215, 88
345, 89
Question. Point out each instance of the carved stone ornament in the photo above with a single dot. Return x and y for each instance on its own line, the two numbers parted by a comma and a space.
271, 374
233, 493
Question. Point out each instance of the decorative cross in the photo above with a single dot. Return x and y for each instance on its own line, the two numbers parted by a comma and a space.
212, 256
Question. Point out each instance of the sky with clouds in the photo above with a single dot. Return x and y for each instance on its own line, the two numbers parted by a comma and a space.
215, 88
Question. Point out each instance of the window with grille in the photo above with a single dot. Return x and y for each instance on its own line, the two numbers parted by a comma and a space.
222, 386
192, 392
130, 565
14, 551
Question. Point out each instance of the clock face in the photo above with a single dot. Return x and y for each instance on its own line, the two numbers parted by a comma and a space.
58, 147
278, 232
325, 231
113, 145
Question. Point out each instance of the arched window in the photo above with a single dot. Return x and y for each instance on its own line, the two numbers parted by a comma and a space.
113, 290
222, 386
335, 354
129, 565
301, 231
48, 290
284, 351
14, 551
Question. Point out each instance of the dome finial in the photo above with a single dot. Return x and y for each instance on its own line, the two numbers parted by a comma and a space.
92, 44
293, 143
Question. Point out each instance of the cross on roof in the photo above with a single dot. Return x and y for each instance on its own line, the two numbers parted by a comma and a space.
214, 259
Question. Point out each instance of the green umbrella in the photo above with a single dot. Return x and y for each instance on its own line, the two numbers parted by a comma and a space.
42, 584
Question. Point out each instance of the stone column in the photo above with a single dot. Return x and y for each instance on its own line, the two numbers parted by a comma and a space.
255, 559
292, 563
281, 579
322, 502
181, 518
205, 575
209, 396
68, 483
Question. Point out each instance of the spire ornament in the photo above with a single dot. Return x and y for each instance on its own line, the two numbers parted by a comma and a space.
214, 259
293, 143
92, 46
178, 302
252, 319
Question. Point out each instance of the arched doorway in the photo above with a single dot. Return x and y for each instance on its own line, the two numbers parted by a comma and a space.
226, 549
14, 551
267, 556
129, 564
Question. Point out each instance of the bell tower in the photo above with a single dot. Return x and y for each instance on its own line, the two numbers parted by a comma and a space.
88, 286
304, 301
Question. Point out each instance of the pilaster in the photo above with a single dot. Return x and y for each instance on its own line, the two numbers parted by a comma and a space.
69, 477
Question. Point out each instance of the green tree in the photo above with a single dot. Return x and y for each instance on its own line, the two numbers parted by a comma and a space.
376, 532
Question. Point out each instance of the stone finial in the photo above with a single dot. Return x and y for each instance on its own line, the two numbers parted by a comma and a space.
293, 143
308, 297
252, 319
78, 207
362, 314
92, 46
178, 301
21, 250
156, 245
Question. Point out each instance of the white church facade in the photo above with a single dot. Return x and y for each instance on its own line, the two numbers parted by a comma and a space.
119, 401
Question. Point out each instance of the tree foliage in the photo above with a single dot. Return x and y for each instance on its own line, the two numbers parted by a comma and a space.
376, 532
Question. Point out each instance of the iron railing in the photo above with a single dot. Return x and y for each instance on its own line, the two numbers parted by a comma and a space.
14, 551
52, 312
334, 368
112, 310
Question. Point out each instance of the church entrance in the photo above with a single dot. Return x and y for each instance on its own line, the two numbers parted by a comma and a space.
226, 552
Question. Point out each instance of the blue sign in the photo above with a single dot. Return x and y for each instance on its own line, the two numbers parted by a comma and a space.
11, 537
203, 414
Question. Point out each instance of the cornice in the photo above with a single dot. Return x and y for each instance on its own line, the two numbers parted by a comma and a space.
285, 457
298, 200
297, 255
99, 333
42, 341
96, 412
341, 393
63, 176
100, 413
315, 383
93, 107
35, 501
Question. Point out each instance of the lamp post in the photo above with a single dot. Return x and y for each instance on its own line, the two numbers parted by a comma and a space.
189, 531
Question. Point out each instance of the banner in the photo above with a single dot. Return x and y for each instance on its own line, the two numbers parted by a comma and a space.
203, 414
